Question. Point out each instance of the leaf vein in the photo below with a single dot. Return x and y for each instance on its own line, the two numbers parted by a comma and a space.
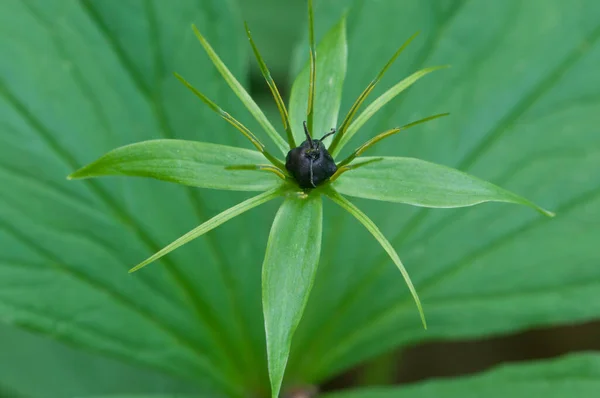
346, 343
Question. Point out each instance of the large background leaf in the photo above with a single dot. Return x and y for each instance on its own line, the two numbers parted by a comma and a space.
75, 84
79, 78
574, 376
524, 114
33, 366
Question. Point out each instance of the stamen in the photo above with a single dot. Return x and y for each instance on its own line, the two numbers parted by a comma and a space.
332, 132
308, 137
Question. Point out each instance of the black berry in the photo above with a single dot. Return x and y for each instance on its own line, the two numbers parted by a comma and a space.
310, 163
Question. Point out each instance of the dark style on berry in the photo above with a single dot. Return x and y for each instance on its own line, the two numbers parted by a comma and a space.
310, 163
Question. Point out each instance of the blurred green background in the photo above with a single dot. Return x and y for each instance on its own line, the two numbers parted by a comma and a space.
499, 283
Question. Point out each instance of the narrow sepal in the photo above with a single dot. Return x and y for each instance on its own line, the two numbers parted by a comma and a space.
363, 96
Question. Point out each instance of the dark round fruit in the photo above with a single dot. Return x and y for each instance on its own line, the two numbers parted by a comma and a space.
310, 164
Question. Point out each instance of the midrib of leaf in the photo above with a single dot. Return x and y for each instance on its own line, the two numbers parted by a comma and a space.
115, 208
462, 263
93, 240
564, 106
383, 317
223, 266
360, 288
440, 224
469, 71
128, 345
510, 119
121, 55
530, 292
431, 44
9, 392
441, 27
83, 206
124, 301
506, 123
48, 315
470, 158
204, 312
212, 15
523, 106
34, 329
72, 200
75, 69
61, 319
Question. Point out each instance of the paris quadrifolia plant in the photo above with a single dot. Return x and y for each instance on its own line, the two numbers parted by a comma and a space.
312, 169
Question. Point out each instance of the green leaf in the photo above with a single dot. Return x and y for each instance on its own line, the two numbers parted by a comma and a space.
285, 119
192, 163
288, 274
242, 94
151, 396
332, 54
89, 76
365, 94
312, 62
571, 376
379, 103
210, 225
381, 136
233, 121
522, 92
84, 78
372, 228
275, 25
420, 183
61, 371
226, 116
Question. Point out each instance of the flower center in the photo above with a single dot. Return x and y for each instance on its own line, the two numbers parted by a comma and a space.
310, 163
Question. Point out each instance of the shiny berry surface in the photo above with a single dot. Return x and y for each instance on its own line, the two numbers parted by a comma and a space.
310, 164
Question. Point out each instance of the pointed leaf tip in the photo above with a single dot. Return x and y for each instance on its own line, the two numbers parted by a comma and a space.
210, 225
364, 147
241, 93
191, 163
288, 274
362, 97
541, 210
331, 65
385, 244
81, 173
379, 103
274, 90
420, 183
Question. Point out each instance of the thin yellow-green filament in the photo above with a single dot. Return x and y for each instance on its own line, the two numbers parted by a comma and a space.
361, 98
361, 149
231, 120
273, 87
313, 66
262, 167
